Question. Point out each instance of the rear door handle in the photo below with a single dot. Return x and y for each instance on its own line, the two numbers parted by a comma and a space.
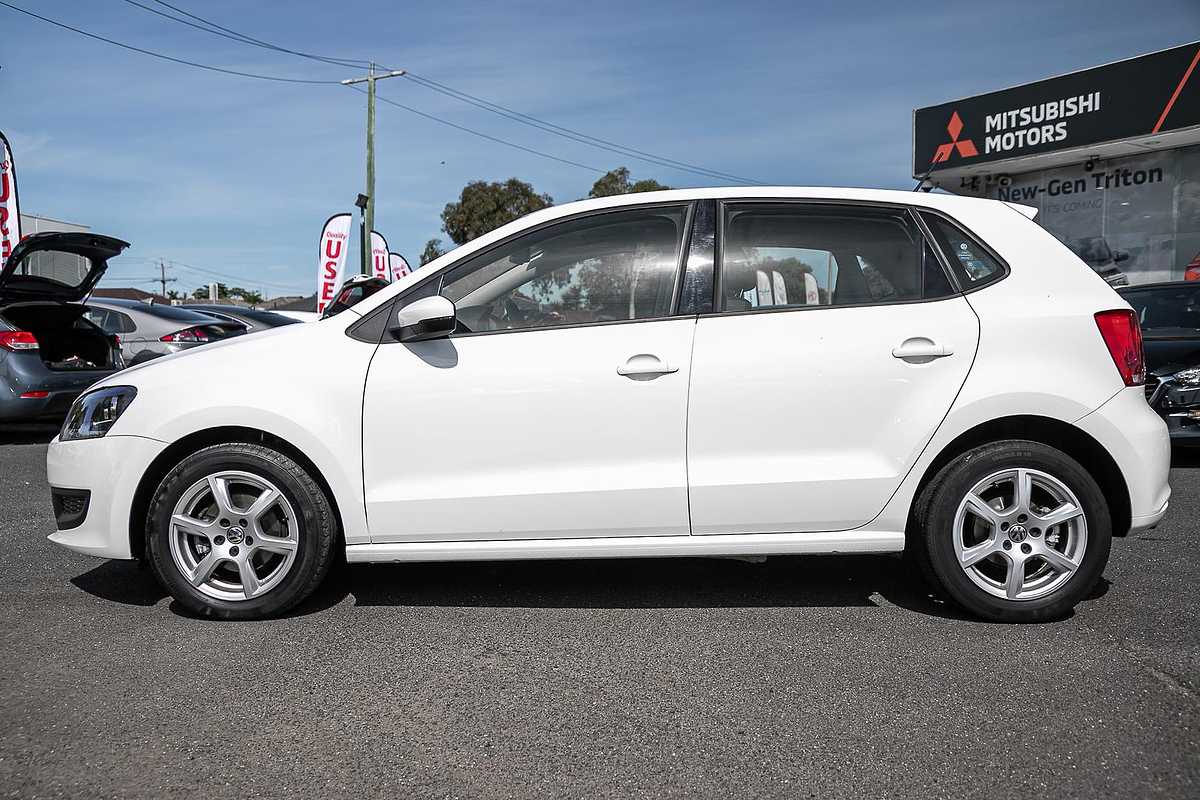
920, 348
645, 364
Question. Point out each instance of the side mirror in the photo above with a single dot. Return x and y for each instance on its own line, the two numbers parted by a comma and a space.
1120, 255
424, 319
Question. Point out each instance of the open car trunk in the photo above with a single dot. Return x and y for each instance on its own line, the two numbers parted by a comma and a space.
66, 339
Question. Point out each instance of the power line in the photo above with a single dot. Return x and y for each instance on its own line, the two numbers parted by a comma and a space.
479, 102
487, 136
162, 56
568, 133
218, 30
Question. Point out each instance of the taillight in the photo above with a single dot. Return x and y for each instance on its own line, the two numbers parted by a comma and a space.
116, 340
18, 341
1192, 273
186, 335
1123, 336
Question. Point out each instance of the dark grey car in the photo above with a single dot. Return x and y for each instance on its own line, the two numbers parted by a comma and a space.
49, 351
149, 331
254, 319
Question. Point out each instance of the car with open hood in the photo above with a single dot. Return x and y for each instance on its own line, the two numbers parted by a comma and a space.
49, 350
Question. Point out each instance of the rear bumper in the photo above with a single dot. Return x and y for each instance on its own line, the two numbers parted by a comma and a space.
1138, 441
21, 373
14, 408
109, 470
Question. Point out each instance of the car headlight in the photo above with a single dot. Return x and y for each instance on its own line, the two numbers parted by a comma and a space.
93, 414
1188, 378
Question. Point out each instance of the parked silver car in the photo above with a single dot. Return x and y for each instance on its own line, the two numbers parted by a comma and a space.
148, 331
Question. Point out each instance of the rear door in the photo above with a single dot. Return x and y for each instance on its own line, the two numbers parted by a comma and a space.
838, 344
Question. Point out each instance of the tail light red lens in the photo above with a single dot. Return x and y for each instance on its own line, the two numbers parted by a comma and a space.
18, 341
1192, 273
1123, 336
187, 335
35, 395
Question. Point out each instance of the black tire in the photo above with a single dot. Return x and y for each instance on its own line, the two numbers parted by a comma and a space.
315, 538
932, 544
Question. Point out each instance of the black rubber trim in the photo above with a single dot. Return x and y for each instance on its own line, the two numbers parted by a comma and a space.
70, 507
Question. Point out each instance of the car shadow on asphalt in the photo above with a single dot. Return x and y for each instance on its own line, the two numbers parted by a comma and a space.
858, 581
781, 581
1185, 457
27, 433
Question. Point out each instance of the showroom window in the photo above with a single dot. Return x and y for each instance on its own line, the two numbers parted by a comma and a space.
974, 265
795, 255
609, 267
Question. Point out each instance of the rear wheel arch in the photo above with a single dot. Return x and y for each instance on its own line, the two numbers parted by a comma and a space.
1063, 436
197, 441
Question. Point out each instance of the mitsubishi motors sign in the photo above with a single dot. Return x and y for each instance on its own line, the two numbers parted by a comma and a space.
1143, 96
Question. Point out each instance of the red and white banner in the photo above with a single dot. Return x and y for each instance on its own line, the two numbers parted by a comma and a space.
10, 212
400, 267
379, 256
335, 241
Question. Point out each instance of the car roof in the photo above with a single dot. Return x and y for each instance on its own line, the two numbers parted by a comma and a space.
157, 310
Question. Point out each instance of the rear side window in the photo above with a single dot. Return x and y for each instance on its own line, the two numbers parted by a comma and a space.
794, 255
110, 321
973, 264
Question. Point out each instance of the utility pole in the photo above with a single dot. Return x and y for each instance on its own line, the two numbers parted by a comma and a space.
369, 208
162, 277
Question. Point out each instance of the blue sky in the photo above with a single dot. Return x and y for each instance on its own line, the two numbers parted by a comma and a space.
235, 176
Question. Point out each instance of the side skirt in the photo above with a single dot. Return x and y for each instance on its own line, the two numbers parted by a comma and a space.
757, 544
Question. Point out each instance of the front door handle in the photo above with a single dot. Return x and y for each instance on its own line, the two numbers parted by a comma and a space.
921, 350
645, 364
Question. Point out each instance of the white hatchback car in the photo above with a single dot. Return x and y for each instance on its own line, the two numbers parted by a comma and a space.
685, 373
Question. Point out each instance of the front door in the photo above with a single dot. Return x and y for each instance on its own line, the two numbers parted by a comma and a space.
837, 349
558, 408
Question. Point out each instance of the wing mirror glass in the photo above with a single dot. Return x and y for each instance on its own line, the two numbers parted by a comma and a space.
425, 319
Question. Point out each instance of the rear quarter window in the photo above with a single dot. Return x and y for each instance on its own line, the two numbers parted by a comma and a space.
973, 263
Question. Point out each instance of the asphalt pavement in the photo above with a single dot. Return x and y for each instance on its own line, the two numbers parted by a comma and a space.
798, 677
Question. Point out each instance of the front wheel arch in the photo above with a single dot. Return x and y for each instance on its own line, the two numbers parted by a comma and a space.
199, 440
1063, 436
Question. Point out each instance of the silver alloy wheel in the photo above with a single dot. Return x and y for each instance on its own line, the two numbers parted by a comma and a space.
233, 535
1020, 534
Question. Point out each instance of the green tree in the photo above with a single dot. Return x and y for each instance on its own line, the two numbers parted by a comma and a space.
173, 295
252, 297
617, 182
433, 249
483, 207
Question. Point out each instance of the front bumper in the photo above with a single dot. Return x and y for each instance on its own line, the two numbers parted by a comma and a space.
1137, 439
1179, 406
109, 469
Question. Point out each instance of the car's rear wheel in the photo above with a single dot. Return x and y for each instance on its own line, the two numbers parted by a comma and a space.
1014, 531
239, 531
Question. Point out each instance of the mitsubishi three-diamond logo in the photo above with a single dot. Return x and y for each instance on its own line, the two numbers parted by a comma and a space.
965, 147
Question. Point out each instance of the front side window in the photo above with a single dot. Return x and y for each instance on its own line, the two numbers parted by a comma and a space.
793, 254
615, 266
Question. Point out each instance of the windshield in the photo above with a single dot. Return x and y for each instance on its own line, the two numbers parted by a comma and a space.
1167, 310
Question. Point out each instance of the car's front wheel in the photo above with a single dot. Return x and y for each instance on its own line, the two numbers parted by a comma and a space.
1014, 531
239, 531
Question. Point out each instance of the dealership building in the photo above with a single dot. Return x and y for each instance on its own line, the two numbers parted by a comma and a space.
1110, 157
